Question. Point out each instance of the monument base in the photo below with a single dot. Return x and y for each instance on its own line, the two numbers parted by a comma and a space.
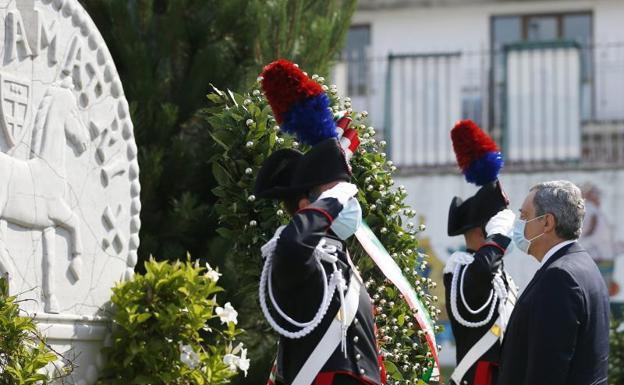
78, 339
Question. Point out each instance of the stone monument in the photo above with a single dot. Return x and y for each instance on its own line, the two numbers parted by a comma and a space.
69, 186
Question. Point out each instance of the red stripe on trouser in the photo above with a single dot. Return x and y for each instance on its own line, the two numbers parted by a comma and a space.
324, 379
483, 373
327, 378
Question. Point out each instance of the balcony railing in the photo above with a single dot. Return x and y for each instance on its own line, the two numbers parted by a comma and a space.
549, 105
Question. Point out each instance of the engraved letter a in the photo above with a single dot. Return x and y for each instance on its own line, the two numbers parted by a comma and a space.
16, 37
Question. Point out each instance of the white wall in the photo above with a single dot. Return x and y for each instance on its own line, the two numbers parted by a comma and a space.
609, 61
467, 28
416, 29
431, 196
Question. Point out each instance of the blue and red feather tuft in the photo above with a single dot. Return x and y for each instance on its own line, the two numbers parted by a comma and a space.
477, 154
299, 104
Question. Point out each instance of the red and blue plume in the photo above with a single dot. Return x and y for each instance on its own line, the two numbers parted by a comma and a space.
299, 104
477, 154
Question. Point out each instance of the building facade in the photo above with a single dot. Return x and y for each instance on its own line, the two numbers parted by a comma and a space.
544, 78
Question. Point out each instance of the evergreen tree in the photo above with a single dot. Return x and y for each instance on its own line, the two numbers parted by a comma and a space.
167, 54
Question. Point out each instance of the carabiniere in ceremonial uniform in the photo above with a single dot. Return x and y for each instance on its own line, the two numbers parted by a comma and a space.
480, 295
310, 292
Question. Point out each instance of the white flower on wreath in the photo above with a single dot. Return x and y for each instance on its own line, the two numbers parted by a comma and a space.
235, 362
188, 356
227, 313
243, 362
212, 274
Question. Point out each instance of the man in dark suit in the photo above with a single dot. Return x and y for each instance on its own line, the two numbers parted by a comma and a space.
559, 330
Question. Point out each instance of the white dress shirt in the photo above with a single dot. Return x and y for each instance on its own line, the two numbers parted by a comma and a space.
554, 249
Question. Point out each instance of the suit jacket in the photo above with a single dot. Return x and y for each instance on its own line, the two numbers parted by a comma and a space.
298, 286
559, 330
477, 288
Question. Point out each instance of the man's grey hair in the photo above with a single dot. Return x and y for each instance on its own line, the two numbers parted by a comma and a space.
564, 201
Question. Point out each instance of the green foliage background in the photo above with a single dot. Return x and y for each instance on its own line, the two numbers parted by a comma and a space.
154, 314
194, 165
616, 352
167, 53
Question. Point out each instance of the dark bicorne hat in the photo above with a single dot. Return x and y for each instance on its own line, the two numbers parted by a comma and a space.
286, 173
480, 160
302, 108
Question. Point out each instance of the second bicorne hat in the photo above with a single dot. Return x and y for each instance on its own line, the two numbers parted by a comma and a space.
480, 160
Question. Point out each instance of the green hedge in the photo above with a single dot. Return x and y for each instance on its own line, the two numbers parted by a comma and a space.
23, 351
168, 328
616, 352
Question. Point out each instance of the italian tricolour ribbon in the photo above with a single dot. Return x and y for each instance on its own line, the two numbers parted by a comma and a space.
393, 273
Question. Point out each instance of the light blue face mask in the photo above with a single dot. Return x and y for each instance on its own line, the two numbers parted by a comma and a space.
518, 237
349, 219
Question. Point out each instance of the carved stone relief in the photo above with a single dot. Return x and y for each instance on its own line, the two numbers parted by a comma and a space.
69, 187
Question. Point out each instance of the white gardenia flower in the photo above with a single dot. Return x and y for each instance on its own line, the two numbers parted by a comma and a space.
243, 362
230, 360
227, 313
235, 362
188, 356
212, 274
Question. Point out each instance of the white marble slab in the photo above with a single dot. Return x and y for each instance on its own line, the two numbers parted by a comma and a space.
69, 188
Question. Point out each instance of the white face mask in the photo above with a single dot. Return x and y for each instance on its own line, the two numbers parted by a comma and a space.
349, 219
518, 237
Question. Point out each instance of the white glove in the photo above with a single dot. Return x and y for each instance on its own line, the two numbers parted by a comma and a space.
501, 223
342, 191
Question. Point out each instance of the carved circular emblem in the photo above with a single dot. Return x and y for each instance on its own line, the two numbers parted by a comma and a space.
69, 187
